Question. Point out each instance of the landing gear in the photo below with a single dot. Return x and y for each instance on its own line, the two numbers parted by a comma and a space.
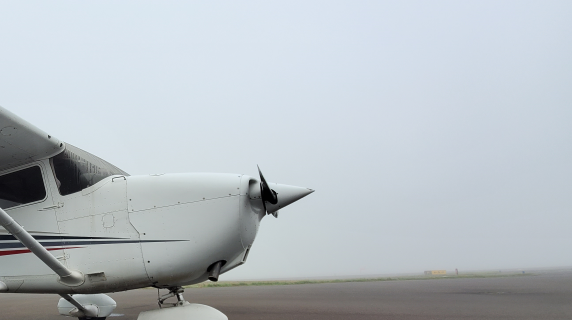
86, 306
180, 309
173, 292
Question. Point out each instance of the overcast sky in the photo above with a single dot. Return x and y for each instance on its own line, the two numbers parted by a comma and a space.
437, 134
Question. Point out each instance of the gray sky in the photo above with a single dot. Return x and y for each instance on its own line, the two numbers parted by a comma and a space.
437, 134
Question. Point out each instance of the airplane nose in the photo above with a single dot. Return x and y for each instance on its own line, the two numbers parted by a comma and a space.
286, 195
263, 198
283, 195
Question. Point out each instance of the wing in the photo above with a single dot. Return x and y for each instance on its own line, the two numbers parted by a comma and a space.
21, 142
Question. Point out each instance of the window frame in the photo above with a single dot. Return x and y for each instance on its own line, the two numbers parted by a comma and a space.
44, 181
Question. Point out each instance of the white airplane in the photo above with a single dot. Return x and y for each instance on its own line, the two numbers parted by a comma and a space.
78, 226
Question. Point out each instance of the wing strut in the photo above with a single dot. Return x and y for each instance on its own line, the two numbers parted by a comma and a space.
67, 277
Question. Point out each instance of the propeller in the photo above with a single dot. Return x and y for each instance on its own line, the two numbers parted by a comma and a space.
266, 193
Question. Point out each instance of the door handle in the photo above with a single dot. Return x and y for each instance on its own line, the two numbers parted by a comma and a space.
57, 206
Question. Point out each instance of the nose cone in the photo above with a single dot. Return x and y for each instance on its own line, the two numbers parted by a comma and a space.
286, 195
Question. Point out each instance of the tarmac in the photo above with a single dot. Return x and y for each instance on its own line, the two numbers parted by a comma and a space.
541, 296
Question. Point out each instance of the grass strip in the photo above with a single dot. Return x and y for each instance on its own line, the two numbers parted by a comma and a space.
294, 282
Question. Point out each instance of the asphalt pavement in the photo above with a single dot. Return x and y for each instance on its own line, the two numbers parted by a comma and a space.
543, 296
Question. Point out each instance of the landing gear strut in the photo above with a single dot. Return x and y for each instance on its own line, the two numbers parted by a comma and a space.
173, 292
180, 309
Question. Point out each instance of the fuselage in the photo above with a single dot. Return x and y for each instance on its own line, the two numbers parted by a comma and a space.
125, 232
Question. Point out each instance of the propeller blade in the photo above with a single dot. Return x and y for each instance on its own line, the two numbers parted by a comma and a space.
266, 193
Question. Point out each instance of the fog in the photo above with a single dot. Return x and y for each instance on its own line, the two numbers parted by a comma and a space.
437, 135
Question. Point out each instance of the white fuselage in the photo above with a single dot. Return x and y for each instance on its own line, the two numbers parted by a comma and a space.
127, 232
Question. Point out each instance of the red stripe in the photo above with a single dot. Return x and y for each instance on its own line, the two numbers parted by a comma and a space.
11, 252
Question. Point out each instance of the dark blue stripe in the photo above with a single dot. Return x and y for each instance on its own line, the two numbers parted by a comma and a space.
55, 237
80, 243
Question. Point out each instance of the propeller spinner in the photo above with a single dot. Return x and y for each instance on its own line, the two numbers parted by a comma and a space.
277, 200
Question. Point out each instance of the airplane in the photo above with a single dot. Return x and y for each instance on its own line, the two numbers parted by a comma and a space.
77, 226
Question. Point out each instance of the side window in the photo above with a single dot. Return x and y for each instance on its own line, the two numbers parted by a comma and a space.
21, 187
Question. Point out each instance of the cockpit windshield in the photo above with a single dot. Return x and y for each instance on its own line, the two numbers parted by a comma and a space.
76, 170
